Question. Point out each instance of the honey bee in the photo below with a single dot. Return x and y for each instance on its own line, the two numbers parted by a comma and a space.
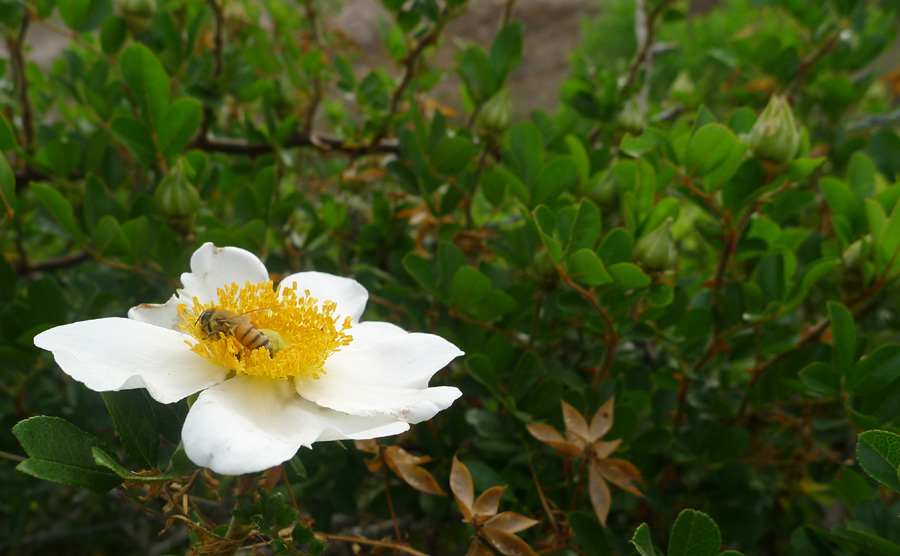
215, 321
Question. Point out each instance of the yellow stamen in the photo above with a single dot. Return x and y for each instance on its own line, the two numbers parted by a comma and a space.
310, 331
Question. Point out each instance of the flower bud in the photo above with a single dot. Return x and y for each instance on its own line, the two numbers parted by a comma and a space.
604, 191
775, 136
497, 112
630, 118
656, 250
683, 89
138, 14
545, 270
176, 197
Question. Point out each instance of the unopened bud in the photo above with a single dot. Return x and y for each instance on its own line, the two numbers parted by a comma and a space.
630, 118
656, 250
138, 14
496, 114
545, 270
605, 190
851, 258
683, 89
775, 136
176, 197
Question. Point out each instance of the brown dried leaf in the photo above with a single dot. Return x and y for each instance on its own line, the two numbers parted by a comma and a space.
462, 487
272, 478
477, 548
402, 457
369, 446
599, 492
507, 543
621, 473
550, 436
510, 522
489, 501
603, 419
576, 426
603, 449
374, 464
417, 478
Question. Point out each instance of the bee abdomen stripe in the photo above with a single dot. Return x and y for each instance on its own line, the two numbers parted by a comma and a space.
251, 337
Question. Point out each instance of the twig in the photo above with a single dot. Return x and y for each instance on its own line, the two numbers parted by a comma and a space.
644, 45
387, 492
219, 67
21, 79
507, 12
362, 540
313, 19
299, 139
52, 263
409, 72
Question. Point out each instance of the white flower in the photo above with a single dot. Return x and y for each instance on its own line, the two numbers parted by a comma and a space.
334, 378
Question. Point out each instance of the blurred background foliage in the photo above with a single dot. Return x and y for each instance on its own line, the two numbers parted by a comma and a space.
630, 239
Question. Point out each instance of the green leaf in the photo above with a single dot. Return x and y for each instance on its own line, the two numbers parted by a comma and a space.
301, 534
875, 371
879, 455
642, 541
7, 186
585, 266
694, 534
61, 452
628, 276
84, 15
590, 534
586, 228
506, 52
555, 178
844, 336
482, 370
770, 275
113, 34
526, 149
136, 138
811, 274
149, 84
710, 147
452, 154
616, 247
135, 423
471, 292
821, 378
7, 137
59, 207
840, 198
887, 252
182, 120
421, 270
580, 158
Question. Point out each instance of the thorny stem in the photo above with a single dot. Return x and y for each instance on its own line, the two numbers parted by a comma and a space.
409, 72
611, 338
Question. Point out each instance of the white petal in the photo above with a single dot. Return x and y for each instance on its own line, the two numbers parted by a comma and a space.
213, 267
349, 295
248, 424
121, 354
158, 314
387, 377
372, 331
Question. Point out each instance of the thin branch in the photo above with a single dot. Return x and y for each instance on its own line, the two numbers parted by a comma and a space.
649, 36
317, 94
409, 72
21, 78
53, 263
362, 540
219, 56
387, 493
300, 139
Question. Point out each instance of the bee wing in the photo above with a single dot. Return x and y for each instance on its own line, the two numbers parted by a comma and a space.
238, 320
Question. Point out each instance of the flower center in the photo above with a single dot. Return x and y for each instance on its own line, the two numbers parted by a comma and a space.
254, 330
